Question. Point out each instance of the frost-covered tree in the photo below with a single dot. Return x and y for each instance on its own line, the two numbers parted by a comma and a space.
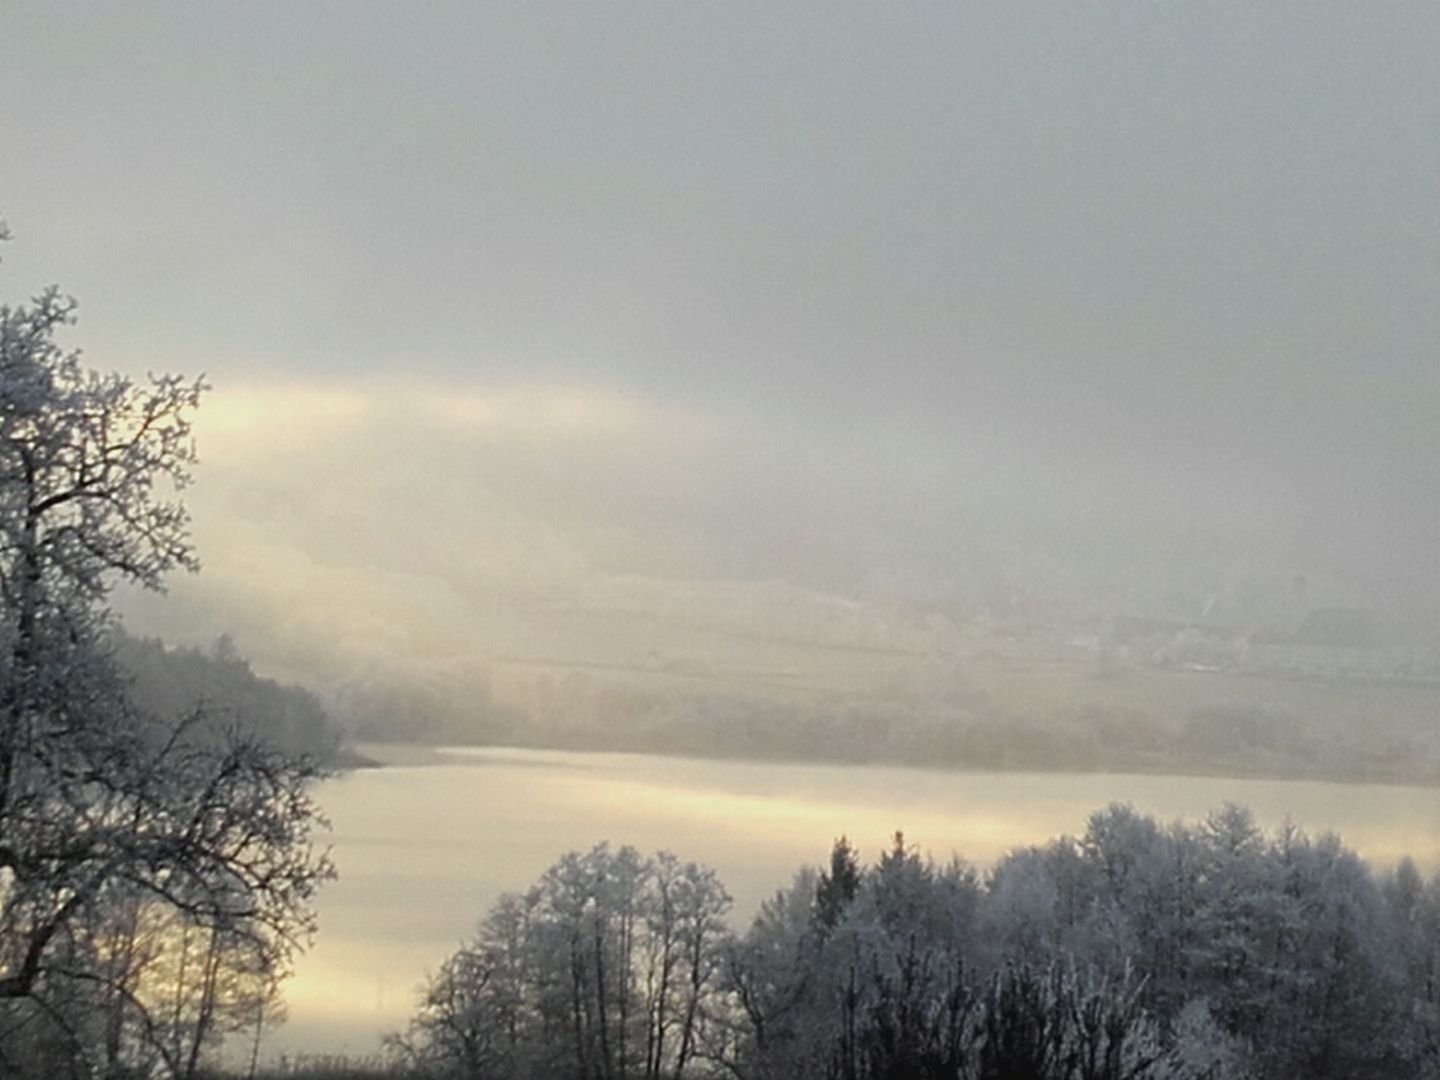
837, 885
1139, 951
771, 974
103, 808
609, 967
918, 980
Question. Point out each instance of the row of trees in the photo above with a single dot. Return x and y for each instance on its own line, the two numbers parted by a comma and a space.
156, 865
944, 721
1137, 951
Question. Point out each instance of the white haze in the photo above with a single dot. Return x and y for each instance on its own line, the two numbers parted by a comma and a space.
513, 309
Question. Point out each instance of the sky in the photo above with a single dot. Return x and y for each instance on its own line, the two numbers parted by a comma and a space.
505, 303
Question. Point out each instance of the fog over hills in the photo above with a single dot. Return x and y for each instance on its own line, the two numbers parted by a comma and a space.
820, 325
738, 430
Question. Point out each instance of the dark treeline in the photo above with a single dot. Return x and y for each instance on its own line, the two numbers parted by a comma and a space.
167, 681
961, 728
1137, 951
1230, 740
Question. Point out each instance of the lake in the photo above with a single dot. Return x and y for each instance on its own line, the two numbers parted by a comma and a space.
424, 849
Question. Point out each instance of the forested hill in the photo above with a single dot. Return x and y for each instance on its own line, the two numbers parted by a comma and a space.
168, 682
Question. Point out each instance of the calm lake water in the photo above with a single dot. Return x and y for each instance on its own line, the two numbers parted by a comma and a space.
424, 850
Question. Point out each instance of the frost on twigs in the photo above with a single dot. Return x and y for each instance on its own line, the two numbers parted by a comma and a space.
156, 873
91, 464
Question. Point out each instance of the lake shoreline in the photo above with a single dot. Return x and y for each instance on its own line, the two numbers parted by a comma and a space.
377, 754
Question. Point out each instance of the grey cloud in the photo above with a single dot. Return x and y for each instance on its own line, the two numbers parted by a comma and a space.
950, 286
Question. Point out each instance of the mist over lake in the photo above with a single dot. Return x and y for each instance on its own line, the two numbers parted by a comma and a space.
425, 849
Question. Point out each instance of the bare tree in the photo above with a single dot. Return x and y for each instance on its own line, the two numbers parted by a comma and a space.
103, 808
604, 970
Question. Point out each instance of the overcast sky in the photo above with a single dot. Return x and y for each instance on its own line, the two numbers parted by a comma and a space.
855, 296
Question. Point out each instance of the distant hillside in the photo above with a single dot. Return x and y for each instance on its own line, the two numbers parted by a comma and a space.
169, 682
